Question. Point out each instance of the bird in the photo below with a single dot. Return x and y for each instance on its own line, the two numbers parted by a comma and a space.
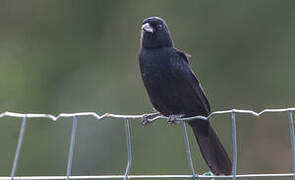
175, 91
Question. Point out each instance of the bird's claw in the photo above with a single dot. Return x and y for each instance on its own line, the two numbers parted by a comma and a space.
172, 119
146, 119
149, 118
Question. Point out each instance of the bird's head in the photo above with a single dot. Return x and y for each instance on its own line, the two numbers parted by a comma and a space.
155, 33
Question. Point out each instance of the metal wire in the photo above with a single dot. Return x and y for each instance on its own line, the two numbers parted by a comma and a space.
188, 151
99, 117
170, 176
126, 176
234, 137
292, 140
19, 145
72, 144
128, 144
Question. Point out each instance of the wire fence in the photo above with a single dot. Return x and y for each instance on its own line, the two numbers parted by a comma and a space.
126, 119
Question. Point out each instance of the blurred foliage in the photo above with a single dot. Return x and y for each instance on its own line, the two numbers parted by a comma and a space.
70, 56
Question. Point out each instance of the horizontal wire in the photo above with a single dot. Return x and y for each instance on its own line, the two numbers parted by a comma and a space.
144, 177
93, 114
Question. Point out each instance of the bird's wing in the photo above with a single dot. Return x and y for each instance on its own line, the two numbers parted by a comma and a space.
183, 54
182, 68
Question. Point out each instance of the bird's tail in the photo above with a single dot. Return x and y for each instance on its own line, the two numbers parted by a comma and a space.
211, 148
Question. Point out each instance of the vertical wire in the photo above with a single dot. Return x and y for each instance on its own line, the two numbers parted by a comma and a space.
234, 138
18, 148
72, 144
128, 145
292, 141
188, 151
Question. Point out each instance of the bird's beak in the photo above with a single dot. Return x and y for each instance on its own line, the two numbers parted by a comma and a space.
147, 28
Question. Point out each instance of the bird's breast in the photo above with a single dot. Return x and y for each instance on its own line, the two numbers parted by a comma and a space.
160, 82
155, 68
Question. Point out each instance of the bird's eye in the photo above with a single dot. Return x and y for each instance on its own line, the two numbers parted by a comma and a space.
159, 26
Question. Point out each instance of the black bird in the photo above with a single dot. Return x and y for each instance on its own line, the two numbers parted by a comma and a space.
175, 91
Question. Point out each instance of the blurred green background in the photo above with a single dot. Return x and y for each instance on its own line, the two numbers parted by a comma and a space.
74, 56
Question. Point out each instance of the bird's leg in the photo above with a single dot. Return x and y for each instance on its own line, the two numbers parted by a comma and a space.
149, 118
172, 119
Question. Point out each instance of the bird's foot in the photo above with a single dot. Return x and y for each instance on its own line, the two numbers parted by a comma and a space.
172, 119
149, 118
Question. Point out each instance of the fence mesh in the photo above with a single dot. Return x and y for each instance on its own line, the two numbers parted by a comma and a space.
126, 119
